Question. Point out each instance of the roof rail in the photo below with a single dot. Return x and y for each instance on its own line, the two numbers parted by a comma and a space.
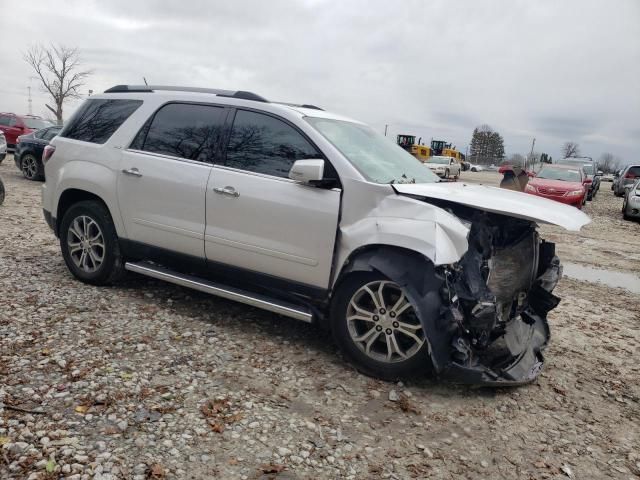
303, 105
241, 94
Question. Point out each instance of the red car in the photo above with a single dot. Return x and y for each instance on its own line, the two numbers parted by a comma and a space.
562, 183
15, 125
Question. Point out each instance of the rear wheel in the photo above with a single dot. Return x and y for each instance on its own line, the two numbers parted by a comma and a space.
1, 192
29, 167
377, 328
89, 243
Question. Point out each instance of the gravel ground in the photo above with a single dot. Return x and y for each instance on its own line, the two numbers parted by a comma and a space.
149, 380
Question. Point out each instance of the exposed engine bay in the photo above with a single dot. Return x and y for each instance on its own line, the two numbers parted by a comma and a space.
484, 316
498, 296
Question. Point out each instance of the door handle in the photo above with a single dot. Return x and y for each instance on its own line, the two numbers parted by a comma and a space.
227, 191
132, 171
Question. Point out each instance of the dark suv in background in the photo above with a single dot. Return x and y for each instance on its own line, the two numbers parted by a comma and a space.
14, 126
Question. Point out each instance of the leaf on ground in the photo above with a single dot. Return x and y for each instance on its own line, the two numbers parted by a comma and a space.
82, 409
4, 440
157, 471
272, 468
217, 427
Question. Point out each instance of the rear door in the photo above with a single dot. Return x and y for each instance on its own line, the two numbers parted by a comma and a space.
260, 220
164, 174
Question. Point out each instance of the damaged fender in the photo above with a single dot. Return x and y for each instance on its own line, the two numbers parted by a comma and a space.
405, 222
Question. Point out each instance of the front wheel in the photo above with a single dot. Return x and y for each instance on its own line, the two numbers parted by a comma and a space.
89, 243
377, 328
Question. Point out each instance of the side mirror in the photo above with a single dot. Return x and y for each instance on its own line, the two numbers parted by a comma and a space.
307, 171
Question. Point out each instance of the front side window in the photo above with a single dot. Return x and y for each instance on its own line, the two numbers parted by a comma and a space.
97, 120
183, 130
263, 144
373, 155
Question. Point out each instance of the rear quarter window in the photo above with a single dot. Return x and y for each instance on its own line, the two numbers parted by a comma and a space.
97, 120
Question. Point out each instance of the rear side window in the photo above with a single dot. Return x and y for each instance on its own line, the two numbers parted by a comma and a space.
7, 120
182, 130
263, 144
97, 120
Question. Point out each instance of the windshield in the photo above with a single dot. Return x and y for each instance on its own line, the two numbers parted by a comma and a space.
376, 157
551, 173
588, 169
439, 160
36, 123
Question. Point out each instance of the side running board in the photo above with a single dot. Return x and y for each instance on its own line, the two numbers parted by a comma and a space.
260, 301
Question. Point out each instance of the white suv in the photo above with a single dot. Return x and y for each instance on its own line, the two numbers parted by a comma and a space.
310, 215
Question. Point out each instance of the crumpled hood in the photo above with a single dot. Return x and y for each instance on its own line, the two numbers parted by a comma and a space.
500, 200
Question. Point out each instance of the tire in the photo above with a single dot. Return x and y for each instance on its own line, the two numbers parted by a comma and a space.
446, 174
29, 167
2, 192
91, 219
351, 292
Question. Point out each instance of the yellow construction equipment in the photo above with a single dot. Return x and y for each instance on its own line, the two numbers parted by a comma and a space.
423, 152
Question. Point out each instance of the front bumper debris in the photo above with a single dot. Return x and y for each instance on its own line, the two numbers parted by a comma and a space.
485, 317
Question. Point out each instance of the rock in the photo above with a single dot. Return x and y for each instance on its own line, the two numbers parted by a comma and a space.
393, 396
283, 451
484, 463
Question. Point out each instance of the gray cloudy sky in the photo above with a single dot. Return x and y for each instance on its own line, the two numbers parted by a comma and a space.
552, 70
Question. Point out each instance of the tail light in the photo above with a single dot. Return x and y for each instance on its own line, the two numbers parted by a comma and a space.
48, 153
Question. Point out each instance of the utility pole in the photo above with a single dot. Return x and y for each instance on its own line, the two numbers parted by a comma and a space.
30, 101
385, 129
531, 154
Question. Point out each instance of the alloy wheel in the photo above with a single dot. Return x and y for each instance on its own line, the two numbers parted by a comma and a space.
29, 167
85, 242
382, 322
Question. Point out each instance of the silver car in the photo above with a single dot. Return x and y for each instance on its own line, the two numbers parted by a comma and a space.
631, 205
627, 177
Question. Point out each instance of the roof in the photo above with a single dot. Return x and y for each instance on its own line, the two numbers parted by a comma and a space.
303, 110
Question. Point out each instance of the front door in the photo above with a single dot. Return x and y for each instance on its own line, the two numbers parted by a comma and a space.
260, 220
163, 178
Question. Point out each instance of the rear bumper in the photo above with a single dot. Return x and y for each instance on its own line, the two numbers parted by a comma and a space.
49, 219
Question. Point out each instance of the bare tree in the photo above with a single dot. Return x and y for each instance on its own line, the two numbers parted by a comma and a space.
571, 149
59, 70
607, 162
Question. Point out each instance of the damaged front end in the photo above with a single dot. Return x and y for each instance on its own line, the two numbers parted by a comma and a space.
496, 300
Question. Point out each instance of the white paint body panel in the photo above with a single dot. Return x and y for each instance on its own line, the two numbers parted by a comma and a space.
165, 207
274, 226
500, 200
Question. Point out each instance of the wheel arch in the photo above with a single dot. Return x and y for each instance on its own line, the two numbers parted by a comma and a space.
70, 197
